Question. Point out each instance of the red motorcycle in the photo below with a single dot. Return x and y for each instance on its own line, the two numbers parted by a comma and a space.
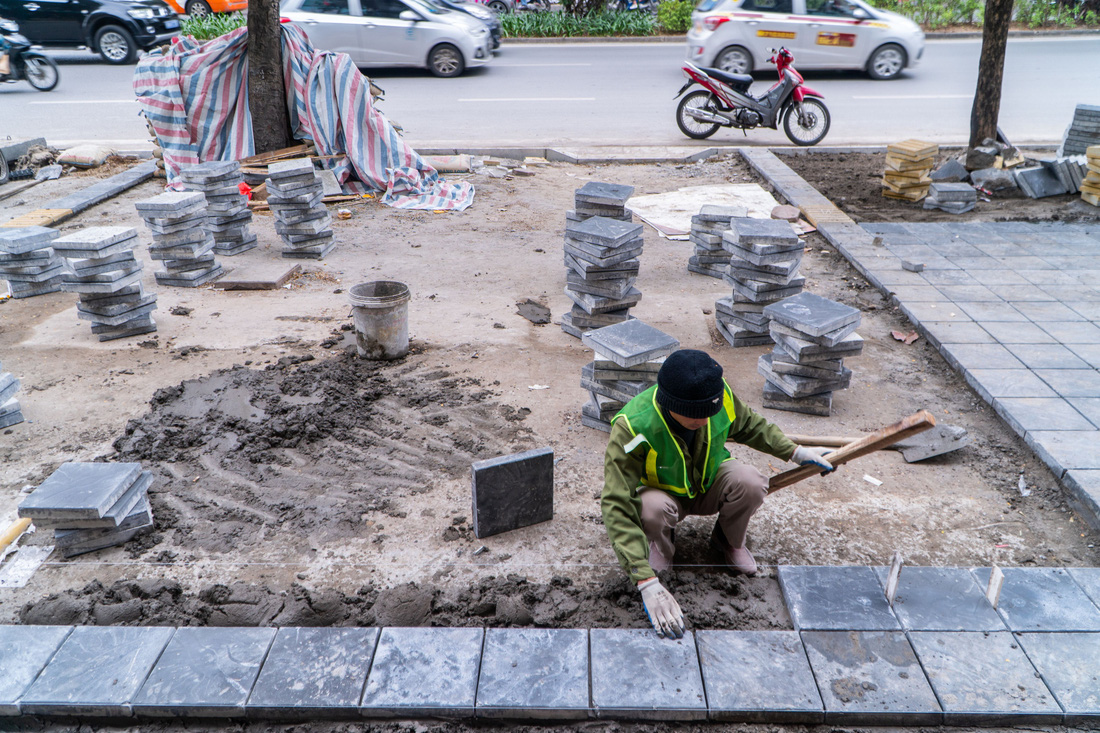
725, 101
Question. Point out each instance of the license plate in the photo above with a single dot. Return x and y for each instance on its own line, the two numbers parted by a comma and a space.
171, 25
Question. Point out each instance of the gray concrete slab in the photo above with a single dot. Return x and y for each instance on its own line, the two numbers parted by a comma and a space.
24, 653
1012, 332
1046, 356
313, 672
1026, 414
513, 491
1070, 666
828, 598
1072, 332
813, 315
1072, 382
423, 672
742, 687
947, 332
984, 679
534, 674
1088, 579
1089, 407
97, 671
205, 672
994, 383
80, 490
630, 343
870, 678
983, 312
980, 356
1043, 599
1090, 353
1065, 450
625, 684
941, 599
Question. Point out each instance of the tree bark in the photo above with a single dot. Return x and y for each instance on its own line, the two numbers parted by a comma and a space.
266, 91
987, 96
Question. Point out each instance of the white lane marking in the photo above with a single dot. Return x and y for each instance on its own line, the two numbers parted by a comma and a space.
530, 99
543, 66
88, 101
914, 96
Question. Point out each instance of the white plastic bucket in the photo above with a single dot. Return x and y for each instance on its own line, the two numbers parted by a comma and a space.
380, 310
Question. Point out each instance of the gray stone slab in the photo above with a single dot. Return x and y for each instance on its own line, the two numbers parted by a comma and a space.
1070, 666
586, 320
993, 383
1089, 581
24, 653
991, 311
1046, 356
21, 240
1026, 414
1008, 332
534, 674
605, 194
621, 256
9, 385
290, 168
947, 332
941, 599
171, 204
806, 351
765, 236
1043, 599
97, 671
313, 672
80, 491
1072, 332
984, 679
811, 314
1039, 182
626, 683
513, 491
139, 517
1087, 406
423, 672
604, 232
92, 239
1065, 450
593, 304
870, 678
92, 288
205, 672
827, 598
630, 343
758, 677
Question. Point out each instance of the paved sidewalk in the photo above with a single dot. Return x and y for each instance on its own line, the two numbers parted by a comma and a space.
1013, 306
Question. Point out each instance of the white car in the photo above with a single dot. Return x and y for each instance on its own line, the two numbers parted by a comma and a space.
379, 33
734, 35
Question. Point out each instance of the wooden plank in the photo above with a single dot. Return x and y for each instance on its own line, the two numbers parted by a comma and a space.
294, 151
911, 425
39, 217
253, 278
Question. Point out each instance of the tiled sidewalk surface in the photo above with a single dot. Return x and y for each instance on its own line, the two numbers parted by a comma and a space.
940, 654
1013, 306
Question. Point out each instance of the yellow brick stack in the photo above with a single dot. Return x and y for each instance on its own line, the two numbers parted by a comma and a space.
908, 164
1090, 187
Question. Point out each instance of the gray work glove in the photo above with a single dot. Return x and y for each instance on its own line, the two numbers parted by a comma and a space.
816, 456
662, 609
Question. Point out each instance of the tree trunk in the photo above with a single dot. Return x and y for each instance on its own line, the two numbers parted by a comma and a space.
266, 92
987, 97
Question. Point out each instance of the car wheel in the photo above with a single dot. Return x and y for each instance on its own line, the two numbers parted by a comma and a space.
499, 7
734, 60
886, 62
197, 8
115, 45
445, 60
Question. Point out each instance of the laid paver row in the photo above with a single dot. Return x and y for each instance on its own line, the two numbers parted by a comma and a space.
940, 654
1011, 305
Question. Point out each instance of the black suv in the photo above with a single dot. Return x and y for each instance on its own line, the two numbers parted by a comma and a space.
116, 29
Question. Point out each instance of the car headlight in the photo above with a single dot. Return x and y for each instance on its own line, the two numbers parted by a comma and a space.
142, 13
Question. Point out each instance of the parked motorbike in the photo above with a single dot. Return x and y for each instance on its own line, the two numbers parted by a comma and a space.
649, 6
23, 63
725, 101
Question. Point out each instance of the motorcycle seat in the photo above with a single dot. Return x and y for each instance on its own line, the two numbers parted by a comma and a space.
734, 80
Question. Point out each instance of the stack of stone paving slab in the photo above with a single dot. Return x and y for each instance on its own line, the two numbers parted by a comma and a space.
90, 506
628, 357
954, 198
1083, 130
1069, 170
601, 257
707, 228
28, 263
812, 336
1090, 186
177, 221
908, 164
227, 212
601, 199
107, 277
10, 411
294, 193
764, 259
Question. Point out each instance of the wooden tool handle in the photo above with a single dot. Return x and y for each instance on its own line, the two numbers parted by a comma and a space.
915, 423
823, 441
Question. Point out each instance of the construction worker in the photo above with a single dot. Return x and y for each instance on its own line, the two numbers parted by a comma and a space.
666, 459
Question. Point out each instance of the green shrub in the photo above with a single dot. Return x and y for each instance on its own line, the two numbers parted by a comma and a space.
674, 16
564, 25
212, 25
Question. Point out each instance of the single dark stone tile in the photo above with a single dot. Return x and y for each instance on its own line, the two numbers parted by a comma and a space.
742, 687
870, 678
423, 672
829, 598
513, 491
604, 194
1026, 414
980, 356
1088, 578
20, 240
1048, 311
1065, 450
811, 314
1045, 355
1072, 382
1070, 666
205, 672
1011, 332
97, 671
624, 683
993, 383
313, 672
941, 599
1087, 406
1072, 332
630, 343
1043, 599
534, 674
982, 312
936, 312
24, 652
947, 332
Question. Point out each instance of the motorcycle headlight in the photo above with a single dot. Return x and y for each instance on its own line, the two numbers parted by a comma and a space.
9, 25
142, 13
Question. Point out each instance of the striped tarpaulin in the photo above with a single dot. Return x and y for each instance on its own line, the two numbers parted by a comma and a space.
195, 95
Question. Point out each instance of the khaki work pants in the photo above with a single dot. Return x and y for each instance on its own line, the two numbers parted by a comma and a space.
737, 492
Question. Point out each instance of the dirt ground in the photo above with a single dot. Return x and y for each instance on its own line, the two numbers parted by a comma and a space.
298, 485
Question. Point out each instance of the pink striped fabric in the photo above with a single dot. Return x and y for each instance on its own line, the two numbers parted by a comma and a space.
195, 95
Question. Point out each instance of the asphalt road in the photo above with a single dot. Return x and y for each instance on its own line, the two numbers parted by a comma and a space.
607, 94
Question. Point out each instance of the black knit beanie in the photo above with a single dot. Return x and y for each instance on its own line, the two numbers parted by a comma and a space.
690, 384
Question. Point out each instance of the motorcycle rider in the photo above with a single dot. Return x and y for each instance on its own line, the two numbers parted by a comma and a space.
5, 63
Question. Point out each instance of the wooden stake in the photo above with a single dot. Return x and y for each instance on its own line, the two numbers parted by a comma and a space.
915, 423
893, 578
993, 590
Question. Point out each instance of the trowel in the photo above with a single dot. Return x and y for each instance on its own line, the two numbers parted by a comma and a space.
933, 442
